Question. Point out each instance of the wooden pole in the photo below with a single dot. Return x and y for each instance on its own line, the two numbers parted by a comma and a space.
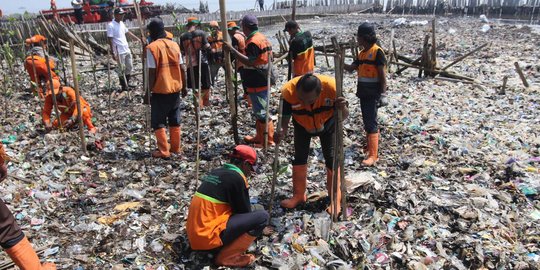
465, 56
78, 96
61, 58
94, 72
275, 165
433, 62
425, 60
55, 104
268, 96
228, 74
325, 55
521, 75
32, 83
503, 87
293, 14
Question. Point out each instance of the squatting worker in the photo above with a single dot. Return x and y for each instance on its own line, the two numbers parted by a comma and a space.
116, 32
192, 42
238, 41
254, 75
165, 78
66, 100
216, 54
12, 239
301, 49
220, 214
371, 67
35, 60
311, 101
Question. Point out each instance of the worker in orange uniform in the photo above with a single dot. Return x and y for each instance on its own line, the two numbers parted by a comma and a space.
220, 214
371, 67
254, 75
166, 81
301, 49
192, 42
12, 239
216, 54
66, 101
311, 101
238, 41
36, 61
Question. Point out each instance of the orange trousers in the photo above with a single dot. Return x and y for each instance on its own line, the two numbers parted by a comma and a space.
86, 117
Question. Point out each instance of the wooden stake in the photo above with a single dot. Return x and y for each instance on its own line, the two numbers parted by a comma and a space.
94, 72
228, 74
465, 56
425, 60
78, 97
325, 54
199, 100
293, 14
275, 165
433, 62
503, 87
521, 75
55, 104
268, 96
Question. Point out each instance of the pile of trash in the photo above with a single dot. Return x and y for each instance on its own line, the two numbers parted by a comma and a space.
457, 186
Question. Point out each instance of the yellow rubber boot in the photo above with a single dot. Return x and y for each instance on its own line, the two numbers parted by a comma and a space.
233, 254
299, 187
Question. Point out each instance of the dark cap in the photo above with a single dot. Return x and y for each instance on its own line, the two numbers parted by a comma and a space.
290, 25
250, 20
155, 25
366, 29
245, 153
119, 11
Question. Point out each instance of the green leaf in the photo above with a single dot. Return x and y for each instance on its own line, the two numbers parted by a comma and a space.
283, 169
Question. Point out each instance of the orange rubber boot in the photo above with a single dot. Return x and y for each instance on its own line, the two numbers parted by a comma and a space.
24, 256
175, 134
205, 98
233, 254
329, 179
262, 131
373, 149
163, 145
299, 176
257, 139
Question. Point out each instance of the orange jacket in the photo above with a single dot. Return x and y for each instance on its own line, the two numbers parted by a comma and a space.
303, 53
67, 104
311, 117
367, 68
223, 192
257, 49
168, 74
261, 60
41, 69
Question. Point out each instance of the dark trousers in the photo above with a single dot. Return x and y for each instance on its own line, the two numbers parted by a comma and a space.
238, 224
205, 79
302, 140
10, 232
79, 15
369, 114
165, 110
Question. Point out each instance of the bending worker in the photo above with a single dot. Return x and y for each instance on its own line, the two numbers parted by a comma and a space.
254, 76
36, 61
12, 239
66, 100
311, 100
301, 49
165, 78
220, 214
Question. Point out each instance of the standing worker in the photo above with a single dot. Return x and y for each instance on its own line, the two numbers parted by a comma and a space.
166, 80
371, 67
36, 61
311, 100
191, 42
12, 239
66, 100
220, 213
116, 32
216, 55
301, 49
254, 75
77, 10
238, 42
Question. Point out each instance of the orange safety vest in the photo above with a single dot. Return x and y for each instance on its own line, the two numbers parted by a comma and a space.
367, 70
312, 117
67, 104
241, 39
304, 62
168, 74
208, 217
260, 41
41, 68
253, 78
216, 41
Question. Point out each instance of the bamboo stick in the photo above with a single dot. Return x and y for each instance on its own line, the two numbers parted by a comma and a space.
268, 96
503, 87
521, 75
275, 164
78, 97
325, 54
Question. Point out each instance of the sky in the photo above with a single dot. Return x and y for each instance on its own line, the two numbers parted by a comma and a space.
14, 6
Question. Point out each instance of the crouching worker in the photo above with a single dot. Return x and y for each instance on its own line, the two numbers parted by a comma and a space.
66, 100
220, 214
12, 239
165, 78
311, 101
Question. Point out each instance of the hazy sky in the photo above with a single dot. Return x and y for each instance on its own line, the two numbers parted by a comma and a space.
14, 6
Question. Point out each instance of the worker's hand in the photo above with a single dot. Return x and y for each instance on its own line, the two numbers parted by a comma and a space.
341, 103
3, 172
227, 45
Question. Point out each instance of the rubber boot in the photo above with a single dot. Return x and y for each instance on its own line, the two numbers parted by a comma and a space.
329, 179
373, 148
24, 256
123, 83
163, 145
262, 130
233, 254
257, 139
175, 135
128, 78
299, 176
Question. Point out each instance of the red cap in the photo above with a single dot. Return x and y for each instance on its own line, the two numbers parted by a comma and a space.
246, 153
